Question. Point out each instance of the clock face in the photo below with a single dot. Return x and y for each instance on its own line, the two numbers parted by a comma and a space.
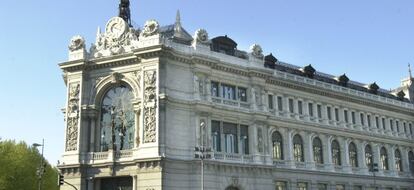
116, 27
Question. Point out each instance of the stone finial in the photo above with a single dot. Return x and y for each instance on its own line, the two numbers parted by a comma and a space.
270, 61
401, 95
342, 80
256, 51
308, 71
373, 88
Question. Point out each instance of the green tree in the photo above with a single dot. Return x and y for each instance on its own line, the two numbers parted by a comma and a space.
18, 166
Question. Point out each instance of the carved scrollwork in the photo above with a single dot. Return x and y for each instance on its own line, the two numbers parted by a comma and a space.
72, 116
150, 86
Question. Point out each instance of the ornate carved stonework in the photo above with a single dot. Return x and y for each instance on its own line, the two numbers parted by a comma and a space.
76, 43
150, 101
150, 28
201, 36
118, 38
257, 51
72, 117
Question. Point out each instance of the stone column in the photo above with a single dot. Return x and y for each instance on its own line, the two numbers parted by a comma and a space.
376, 157
405, 161
288, 147
92, 134
327, 153
308, 150
391, 160
295, 109
208, 88
305, 110
361, 156
342, 122
324, 115
344, 144
285, 103
358, 124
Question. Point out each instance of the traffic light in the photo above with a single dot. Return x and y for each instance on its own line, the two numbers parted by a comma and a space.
60, 179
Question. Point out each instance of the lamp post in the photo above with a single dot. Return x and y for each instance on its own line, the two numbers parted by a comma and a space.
202, 152
41, 169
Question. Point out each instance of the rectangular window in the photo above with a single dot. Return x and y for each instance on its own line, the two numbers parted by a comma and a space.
229, 92
392, 125
411, 128
214, 89
230, 137
242, 94
346, 116
291, 105
279, 103
405, 128
397, 123
329, 113
270, 101
300, 108
383, 123
377, 122
281, 185
336, 114
310, 109
302, 186
362, 116
369, 120
215, 135
244, 139
353, 117
319, 109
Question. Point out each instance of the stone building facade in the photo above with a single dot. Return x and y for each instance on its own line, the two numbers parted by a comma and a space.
140, 101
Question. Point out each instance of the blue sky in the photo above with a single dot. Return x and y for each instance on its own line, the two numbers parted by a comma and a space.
371, 40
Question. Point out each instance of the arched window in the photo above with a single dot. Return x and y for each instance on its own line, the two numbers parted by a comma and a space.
298, 149
317, 151
353, 155
117, 119
368, 157
336, 153
384, 158
398, 162
277, 146
411, 161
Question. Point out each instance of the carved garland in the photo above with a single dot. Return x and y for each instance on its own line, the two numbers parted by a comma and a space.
150, 101
72, 117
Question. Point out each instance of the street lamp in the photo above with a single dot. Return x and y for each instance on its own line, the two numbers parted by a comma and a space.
203, 153
41, 169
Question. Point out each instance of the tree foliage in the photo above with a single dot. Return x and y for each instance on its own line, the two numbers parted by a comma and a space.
18, 166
